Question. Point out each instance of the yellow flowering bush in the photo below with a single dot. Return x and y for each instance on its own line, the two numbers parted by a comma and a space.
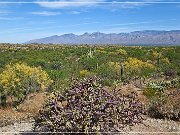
156, 54
18, 80
112, 53
136, 66
121, 52
118, 52
101, 51
165, 60
85, 73
115, 66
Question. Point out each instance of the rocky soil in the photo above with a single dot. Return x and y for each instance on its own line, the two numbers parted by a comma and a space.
150, 126
23, 127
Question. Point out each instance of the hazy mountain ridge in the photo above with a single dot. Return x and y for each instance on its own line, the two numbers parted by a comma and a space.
146, 37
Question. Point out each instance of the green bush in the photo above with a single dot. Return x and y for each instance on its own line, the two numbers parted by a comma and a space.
89, 63
153, 88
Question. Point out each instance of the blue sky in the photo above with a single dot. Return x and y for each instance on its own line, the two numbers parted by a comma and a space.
32, 19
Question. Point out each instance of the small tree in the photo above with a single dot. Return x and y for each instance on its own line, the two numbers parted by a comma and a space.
18, 80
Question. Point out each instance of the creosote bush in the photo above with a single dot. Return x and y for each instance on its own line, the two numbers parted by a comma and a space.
86, 107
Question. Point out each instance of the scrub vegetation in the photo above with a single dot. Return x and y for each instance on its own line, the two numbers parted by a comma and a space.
85, 85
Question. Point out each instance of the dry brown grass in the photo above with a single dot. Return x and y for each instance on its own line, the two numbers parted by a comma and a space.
25, 111
33, 103
129, 89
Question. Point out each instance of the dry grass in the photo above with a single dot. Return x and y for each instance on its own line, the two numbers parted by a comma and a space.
25, 111
131, 88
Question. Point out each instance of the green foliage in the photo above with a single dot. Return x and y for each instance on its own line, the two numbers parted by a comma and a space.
89, 63
157, 88
56, 65
87, 107
109, 72
64, 62
18, 80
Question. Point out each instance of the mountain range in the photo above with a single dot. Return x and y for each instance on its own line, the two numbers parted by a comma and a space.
146, 37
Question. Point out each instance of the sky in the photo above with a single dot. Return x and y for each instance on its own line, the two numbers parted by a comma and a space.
24, 20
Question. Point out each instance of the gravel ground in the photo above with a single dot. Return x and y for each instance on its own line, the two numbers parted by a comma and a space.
150, 126
158, 126
17, 128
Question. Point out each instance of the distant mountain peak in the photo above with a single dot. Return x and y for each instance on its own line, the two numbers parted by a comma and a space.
145, 37
54, 36
86, 33
69, 34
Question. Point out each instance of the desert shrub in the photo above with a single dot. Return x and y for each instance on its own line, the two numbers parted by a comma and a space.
165, 60
121, 51
89, 63
109, 72
156, 54
171, 73
157, 88
85, 73
18, 80
56, 66
41, 63
134, 66
164, 84
101, 52
87, 107
166, 105
149, 93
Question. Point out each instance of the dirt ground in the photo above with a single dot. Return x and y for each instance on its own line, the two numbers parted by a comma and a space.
149, 126
25, 111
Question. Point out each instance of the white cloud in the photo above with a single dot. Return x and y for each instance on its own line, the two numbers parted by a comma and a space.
45, 13
112, 5
143, 22
132, 5
10, 18
74, 12
4, 12
18, 30
68, 3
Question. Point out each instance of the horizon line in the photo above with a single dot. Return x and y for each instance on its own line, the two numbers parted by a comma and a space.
118, 32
